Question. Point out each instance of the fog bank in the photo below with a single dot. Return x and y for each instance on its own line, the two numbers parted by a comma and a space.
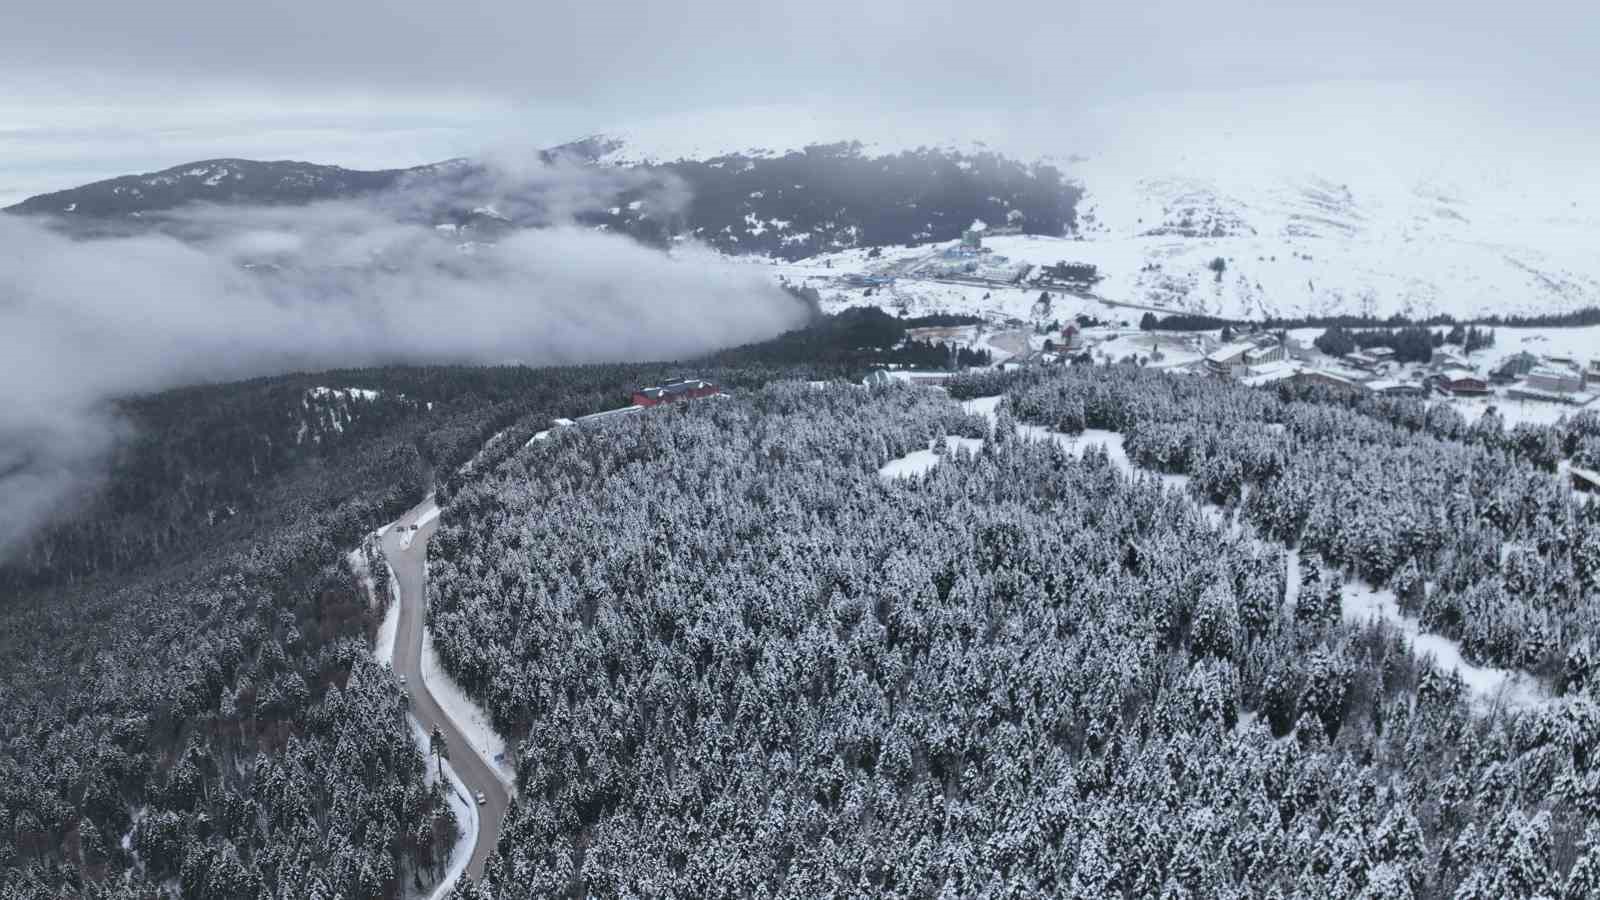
249, 292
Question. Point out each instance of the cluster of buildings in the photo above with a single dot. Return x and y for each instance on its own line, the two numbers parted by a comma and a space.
1260, 359
970, 260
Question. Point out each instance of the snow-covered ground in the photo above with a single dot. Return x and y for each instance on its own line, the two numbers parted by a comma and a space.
467, 715
1491, 687
920, 462
383, 644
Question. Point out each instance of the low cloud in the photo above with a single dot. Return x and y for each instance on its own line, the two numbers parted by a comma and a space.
225, 293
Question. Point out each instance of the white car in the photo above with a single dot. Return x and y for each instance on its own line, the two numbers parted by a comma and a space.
402, 681
481, 798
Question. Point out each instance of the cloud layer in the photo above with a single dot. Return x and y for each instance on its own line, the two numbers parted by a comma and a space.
260, 291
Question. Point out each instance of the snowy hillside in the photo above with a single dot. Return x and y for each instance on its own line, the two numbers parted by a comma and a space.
1344, 198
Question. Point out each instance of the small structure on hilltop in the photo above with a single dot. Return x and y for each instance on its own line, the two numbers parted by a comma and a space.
678, 390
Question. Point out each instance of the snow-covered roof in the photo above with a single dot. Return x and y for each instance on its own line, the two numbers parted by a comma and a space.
1270, 373
1339, 375
1229, 352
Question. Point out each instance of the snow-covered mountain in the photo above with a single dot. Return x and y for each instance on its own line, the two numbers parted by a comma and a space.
1336, 198
1333, 198
823, 198
212, 181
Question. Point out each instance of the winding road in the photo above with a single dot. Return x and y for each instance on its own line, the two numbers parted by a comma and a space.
409, 564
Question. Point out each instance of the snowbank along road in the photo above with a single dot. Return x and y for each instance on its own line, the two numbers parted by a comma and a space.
407, 552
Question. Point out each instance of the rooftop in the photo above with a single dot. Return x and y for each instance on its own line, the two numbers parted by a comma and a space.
1228, 352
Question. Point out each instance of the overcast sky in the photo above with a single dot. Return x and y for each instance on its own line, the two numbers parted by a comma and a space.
95, 87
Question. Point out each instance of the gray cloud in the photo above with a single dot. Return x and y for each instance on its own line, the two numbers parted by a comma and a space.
96, 88
632, 55
257, 291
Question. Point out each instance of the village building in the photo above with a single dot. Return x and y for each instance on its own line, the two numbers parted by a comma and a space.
1227, 359
907, 376
1072, 339
1363, 360
1460, 382
1236, 359
1261, 355
1269, 373
1591, 375
1553, 379
1394, 388
1325, 378
678, 390
1514, 367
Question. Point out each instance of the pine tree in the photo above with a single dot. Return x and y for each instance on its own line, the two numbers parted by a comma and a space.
439, 750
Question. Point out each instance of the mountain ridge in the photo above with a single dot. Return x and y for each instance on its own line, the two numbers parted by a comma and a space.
1325, 201
826, 197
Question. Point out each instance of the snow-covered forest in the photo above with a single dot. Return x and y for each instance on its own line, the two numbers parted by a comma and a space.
189, 706
737, 662
733, 658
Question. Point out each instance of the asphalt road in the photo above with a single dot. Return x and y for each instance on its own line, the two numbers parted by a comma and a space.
410, 574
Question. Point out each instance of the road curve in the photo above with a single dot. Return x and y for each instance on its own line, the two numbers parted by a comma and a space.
410, 574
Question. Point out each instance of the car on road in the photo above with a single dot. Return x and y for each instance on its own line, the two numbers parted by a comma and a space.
402, 681
481, 798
